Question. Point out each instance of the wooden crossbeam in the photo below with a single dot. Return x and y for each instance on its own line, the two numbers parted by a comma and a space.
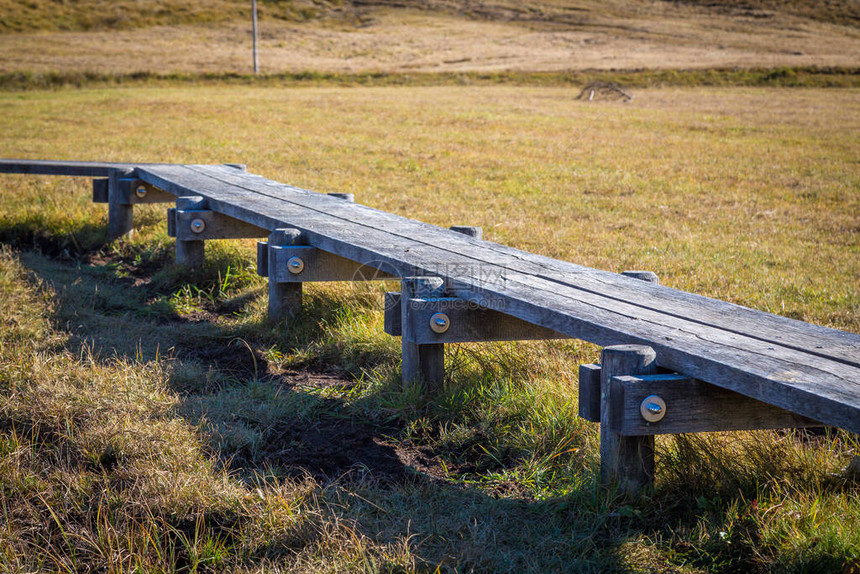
464, 322
691, 406
204, 225
303, 263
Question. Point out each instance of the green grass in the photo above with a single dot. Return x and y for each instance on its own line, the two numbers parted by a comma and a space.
791, 77
152, 419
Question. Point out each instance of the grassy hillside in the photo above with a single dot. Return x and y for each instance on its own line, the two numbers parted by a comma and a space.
170, 37
154, 420
83, 15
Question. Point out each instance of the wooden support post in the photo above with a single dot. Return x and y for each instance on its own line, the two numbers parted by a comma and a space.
120, 210
100, 190
190, 253
589, 392
421, 362
625, 461
285, 299
469, 230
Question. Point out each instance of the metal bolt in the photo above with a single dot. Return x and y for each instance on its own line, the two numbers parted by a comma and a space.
140, 191
198, 225
653, 409
439, 322
295, 265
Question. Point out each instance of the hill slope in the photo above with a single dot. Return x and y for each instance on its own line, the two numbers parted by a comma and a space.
82, 15
406, 36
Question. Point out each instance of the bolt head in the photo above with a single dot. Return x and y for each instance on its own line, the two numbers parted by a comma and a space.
439, 322
295, 265
140, 191
198, 225
653, 409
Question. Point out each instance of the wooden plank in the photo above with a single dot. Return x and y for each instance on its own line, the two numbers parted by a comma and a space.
69, 167
308, 193
692, 406
60, 167
413, 251
831, 343
305, 215
814, 390
778, 360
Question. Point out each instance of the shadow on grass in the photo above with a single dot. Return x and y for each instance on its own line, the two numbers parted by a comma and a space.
51, 238
297, 422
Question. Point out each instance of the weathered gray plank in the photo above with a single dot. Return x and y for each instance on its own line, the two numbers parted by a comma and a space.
787, 382
59, 167
828, 392
831, 343
456, 265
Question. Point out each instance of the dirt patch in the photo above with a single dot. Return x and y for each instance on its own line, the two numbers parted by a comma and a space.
332, 448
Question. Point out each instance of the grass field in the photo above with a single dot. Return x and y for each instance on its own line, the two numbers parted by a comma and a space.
152, 420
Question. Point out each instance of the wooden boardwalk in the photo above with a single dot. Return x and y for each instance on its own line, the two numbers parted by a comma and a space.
805, 369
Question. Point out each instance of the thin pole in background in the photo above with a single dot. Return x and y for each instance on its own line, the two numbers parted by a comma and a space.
254, 25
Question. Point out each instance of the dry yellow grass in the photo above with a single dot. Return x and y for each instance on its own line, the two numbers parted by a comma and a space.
644, 34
